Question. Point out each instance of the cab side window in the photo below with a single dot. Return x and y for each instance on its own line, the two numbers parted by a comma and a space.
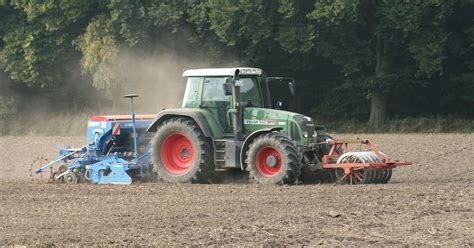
191, 92
215, 100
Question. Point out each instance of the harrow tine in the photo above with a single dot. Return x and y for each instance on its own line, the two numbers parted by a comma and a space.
43, 175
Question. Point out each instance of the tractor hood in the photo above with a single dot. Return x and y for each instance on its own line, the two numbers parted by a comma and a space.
297, 126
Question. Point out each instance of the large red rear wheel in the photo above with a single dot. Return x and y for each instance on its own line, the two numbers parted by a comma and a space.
177, 153
181, 153
272, 158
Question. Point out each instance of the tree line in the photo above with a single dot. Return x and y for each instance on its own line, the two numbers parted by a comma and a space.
362, 59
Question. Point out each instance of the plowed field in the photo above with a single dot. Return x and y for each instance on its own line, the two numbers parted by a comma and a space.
430, 203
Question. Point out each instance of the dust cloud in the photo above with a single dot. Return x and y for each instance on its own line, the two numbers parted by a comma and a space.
154, 72
157, 77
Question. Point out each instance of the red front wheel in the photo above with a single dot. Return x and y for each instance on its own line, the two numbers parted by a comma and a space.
269, 161
272, 158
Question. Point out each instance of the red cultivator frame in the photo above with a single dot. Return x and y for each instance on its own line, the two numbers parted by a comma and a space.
362, 167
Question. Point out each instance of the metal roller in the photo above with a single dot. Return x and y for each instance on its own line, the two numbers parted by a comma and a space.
366, 175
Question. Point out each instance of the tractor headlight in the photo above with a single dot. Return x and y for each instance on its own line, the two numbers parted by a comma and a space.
306, 124
305, 134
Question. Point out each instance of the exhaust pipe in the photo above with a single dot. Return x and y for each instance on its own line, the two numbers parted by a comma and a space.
237, 107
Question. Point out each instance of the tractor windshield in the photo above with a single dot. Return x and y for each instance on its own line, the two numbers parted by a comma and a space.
249, 92
213, 92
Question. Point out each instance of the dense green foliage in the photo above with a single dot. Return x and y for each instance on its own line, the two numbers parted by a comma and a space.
357, 59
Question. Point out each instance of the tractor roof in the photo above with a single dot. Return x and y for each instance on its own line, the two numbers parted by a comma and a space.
221, 72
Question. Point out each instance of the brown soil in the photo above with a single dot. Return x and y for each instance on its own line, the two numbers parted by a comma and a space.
428, 203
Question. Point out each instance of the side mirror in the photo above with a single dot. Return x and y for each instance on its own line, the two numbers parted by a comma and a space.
291, 86
227, 88
279, 104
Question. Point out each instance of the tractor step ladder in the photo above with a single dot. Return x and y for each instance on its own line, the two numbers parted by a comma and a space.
219, 153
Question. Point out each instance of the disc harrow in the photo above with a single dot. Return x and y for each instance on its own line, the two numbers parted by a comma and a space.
360, 167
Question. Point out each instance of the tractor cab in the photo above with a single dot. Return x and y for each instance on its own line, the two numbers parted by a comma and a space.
249, 107
208, 89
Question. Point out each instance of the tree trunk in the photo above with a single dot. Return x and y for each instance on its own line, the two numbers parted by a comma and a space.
377, 111
377, 98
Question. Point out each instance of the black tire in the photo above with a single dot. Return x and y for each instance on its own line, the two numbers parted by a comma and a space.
284, 166
329, 175
193, 163
324, 148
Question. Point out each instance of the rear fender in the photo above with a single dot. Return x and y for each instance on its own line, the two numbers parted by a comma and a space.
172, 113
248, 141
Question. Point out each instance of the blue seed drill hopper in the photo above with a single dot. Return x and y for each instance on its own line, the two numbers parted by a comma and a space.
117, 152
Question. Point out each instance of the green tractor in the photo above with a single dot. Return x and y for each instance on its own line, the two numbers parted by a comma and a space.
227, 122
